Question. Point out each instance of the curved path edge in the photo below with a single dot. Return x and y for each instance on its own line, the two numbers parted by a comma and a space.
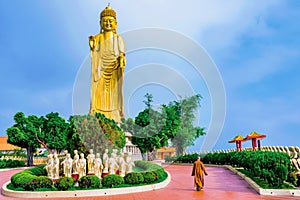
84, 193
261, 191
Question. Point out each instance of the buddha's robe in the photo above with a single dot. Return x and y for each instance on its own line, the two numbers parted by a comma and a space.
107, 76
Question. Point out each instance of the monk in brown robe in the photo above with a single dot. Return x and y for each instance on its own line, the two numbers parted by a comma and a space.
198, 171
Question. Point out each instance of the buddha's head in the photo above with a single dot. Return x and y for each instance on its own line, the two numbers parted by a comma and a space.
108, 19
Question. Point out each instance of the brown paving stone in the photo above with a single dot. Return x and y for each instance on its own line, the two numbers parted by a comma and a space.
219, 184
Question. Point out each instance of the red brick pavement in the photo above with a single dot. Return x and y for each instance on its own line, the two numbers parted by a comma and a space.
220, 184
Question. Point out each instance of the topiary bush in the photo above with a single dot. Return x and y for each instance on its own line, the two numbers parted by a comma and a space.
159, 172
149, 176
22, 179
39, 182
64, 183
134, 178
89, 181
112, 180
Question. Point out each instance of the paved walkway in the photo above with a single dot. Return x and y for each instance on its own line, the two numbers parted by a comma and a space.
220, 184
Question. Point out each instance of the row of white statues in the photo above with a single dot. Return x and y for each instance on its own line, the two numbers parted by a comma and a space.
93, 165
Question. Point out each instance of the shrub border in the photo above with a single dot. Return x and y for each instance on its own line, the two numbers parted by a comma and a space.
261, 191
84, 193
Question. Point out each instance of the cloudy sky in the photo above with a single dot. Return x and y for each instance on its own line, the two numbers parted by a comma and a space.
253, 45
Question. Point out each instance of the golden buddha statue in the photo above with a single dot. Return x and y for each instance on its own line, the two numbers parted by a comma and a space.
108, 62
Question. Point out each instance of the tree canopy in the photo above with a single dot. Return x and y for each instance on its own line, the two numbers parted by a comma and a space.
23, 134
152, 129
187, 132
94, 132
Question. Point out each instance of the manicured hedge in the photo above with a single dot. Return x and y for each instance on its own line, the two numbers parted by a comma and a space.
149, 176
39, 182
273, 167
160, 173
25, 178
112, 180
35, 178
11, 163
64, 183
89, 181
134, 178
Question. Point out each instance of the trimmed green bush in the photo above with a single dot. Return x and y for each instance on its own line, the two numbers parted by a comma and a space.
170, 159
134, 178
39, 170
39, 182
89, 181
64, 183
112, 180
11, 163
188, 158
22, 179
149, 177
159, 172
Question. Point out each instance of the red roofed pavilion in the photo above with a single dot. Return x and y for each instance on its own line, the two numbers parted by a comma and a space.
254, 136
238, 141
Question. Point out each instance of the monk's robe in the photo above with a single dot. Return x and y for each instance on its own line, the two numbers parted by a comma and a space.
198, 171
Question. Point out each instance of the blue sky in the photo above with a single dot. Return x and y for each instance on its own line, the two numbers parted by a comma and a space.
254, 44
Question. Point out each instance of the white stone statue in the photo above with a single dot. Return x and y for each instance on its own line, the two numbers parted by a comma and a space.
67, 164
287, 151
105, 160
55, 166
90, 160
98, 165
129, 163
298, 154
49, 166
82, 166
113, 165
75, 162
122, 165
114, 153
295, 158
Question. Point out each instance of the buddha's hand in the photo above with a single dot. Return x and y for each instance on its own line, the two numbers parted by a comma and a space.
122, 60
92, 42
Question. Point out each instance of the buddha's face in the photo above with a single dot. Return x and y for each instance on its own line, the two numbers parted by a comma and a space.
108, 23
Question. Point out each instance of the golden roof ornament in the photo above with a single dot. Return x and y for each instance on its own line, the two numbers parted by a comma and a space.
108, 11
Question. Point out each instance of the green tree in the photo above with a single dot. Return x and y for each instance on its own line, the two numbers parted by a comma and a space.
94, 132
53, 131
74, 138
187, 132
152, 129
23, 134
